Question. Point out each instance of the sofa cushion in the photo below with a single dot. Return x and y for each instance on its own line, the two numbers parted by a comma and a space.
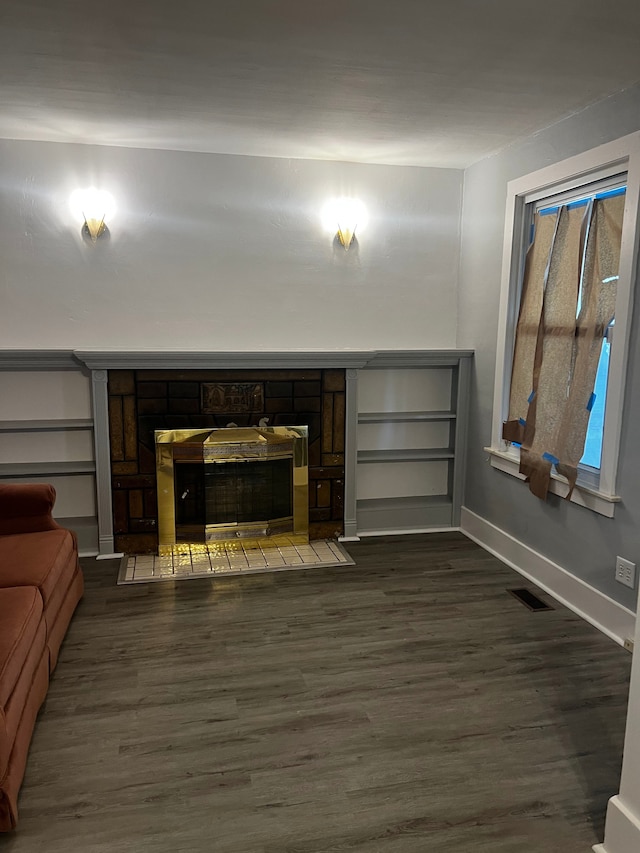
20, 618
37, 559
17, 743
59, 613
26, 507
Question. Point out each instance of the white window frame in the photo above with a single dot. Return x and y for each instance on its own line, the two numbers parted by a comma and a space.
621, 155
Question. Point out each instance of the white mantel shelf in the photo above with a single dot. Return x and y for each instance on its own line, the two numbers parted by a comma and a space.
267, 360
164, 360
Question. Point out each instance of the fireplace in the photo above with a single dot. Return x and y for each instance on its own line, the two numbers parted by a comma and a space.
217, 485
142, 401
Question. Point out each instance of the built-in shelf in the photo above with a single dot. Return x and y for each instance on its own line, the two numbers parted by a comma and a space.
421, 454
45, 469
403, 417
408, 389
86, 527
409, 513
408, 502
46, 426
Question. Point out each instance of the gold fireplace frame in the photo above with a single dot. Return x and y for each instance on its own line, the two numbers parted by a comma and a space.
234, 444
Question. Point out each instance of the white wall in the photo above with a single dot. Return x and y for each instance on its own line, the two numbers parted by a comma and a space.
219, 252
575, 538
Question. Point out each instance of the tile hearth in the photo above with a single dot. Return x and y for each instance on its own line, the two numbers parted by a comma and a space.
198, 561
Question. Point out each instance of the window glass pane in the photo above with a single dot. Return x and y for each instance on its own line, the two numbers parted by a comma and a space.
593, 444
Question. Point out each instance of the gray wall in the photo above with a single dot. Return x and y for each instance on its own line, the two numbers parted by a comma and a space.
221, 252
579, 540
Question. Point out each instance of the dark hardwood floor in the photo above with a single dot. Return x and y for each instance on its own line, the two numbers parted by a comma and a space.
403, 705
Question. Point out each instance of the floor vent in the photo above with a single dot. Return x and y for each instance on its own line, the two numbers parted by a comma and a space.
530, 599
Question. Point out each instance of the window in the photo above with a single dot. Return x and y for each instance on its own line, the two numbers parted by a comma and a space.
592, 455
553, 218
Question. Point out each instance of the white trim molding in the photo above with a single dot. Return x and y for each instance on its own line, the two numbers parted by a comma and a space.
582, 495
37, 359
350, 455
102, 449
289, 359
622, 829
610, 617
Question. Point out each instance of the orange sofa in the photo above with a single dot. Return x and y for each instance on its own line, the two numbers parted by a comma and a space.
40, 585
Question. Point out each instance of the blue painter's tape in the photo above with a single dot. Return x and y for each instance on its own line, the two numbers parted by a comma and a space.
531, 396
582, 202
522, 422
609, 193
550, 458
592, 400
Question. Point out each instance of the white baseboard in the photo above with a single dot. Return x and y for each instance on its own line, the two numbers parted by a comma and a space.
614, 620
622, 832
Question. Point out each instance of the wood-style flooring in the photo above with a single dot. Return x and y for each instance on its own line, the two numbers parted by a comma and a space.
403, 705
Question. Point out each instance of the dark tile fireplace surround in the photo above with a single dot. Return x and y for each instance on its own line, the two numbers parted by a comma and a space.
141, 401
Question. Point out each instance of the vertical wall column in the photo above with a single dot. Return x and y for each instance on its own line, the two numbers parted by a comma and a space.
622, 829
461, 404
100, 405
350, 456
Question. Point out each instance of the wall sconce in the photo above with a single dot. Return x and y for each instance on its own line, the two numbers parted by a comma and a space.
92, 207
342, 216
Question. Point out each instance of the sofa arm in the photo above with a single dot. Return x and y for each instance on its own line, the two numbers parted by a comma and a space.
26, 508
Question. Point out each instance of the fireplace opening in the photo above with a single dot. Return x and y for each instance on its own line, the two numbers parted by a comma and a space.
223, 484
232, 493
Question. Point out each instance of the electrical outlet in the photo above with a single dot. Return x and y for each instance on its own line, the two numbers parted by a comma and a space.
625, 572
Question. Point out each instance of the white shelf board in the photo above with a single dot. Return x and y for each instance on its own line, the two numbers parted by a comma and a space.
410, 455
44, 469
404, 417
59, 425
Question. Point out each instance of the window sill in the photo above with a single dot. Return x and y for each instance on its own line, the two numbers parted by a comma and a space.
582, 495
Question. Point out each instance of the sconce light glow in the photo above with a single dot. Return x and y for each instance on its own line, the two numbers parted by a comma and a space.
93, 208
342, 216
